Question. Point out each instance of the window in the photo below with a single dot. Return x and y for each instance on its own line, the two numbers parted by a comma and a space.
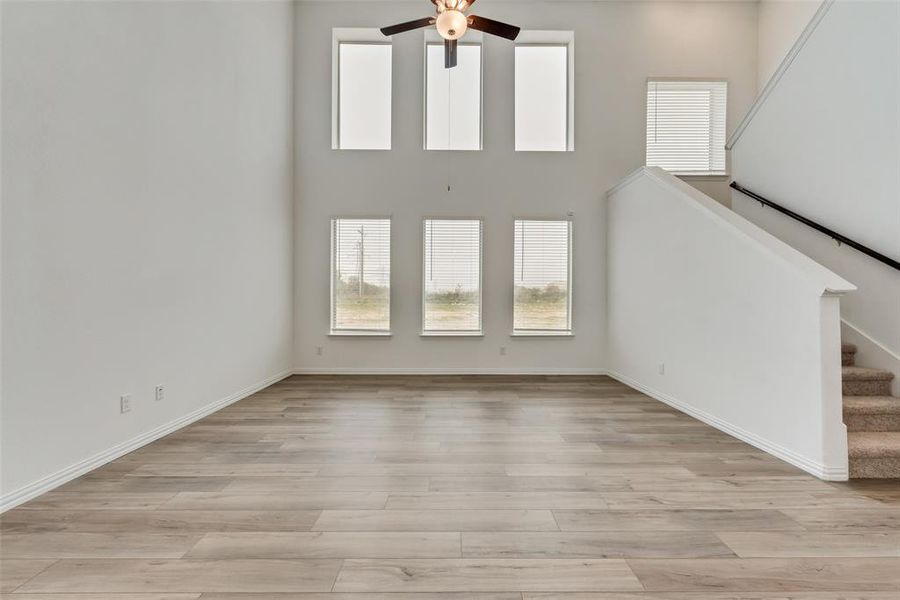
452, 268
544, 107
363, 91
453, 98
542, 300
686, 126
361, 276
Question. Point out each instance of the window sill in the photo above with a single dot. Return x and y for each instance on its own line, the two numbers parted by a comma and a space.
451, 334
706, 176
542, 334
351, 333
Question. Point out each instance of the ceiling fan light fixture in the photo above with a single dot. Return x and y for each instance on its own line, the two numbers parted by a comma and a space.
451, 24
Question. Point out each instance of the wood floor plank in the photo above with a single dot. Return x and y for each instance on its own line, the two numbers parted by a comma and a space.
607, 544
674, 520
375, 483
14, 573
411, 469
130, 575
853, 519
296, 500
94, 545
90, 500
156, 521
436, 520
485, 575
758, 544
703, 596
329, 544
362, 596
111, 597
489, 483
225, 470
768, 574
496, 500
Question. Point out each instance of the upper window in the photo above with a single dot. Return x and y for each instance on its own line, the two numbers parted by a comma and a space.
543, 91
451, 302
542, 301
453, 98
686, 126
363, 90
360, 275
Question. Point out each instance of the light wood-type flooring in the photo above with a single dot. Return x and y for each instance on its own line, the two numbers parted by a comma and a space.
452, 488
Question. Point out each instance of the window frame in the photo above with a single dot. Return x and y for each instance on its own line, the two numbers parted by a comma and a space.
552, 38
472, 38
332, 331
365, 36
705, 175
570, 296
454, 332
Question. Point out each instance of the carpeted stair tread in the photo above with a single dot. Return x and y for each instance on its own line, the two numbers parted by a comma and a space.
871, 405
864, 374
871, 413
874, 444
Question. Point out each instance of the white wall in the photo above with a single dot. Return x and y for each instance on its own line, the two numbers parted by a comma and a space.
780, 24
146, 220
748, 335
826, 144
617, 45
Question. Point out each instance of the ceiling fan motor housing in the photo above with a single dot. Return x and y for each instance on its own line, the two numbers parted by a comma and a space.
451, 24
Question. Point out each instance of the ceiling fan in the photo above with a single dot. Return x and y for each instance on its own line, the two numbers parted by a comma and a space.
451, 23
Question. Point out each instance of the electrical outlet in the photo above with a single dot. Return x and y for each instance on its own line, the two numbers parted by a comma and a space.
125, 403
318, 350
160, 393
502, 350
662, 368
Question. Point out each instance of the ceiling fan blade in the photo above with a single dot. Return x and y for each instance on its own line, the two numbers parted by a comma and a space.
408, 26
493, 27
450, 53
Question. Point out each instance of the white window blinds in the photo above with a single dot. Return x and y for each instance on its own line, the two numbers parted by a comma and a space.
686, 126
542, 97
361, 275
542, 278
364, 92
452, 268
453, 99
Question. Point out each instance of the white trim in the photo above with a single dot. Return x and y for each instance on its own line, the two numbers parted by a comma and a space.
540, 333
826, 472
45, 484
451, 333
447, 371
779, 73
863, 333
872, 353
358, 333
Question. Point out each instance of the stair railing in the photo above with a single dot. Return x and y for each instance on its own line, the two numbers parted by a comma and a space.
840, 239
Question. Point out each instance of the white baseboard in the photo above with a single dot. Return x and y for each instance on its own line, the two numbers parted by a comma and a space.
45, 484
444, 371
826, 472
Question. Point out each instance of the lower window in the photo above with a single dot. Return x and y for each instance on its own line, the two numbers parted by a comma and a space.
360, 276
542, 303
451, 303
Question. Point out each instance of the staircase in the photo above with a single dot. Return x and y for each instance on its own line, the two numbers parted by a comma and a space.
872, 417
